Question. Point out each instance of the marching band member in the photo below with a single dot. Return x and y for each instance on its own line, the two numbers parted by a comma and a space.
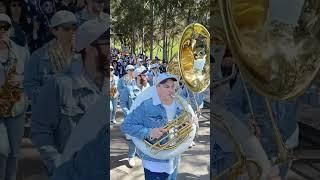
71, 94
139, 64
124, 85
141, 80
12, 99
113, 94
93, 10
54, 57
153, 73
146, 120
128, 95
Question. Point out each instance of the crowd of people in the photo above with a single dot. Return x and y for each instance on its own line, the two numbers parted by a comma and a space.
53, 54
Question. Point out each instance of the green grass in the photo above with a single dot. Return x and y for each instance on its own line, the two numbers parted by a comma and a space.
157, 49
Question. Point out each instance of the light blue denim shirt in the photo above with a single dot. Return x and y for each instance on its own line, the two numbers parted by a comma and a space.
40, 69
61, 104
146, 116
20, 56
285, 114
127, 94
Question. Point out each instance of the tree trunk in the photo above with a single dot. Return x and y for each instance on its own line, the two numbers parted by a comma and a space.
172, 43
168, 47
164, 55
133, 44
189, 17
151, 35
142, 49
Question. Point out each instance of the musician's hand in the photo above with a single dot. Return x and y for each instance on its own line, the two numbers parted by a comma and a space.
195, 119
274, 174
156, 133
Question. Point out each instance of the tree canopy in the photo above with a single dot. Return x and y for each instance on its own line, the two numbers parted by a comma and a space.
146, 24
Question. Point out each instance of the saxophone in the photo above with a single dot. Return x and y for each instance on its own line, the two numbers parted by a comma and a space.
113, 90
10, 93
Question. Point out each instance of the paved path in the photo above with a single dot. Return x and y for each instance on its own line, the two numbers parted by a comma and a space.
194, 164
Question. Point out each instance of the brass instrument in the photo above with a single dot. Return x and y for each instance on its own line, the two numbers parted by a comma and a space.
113, 90
10, 93
276, 50
193, 67
57, 57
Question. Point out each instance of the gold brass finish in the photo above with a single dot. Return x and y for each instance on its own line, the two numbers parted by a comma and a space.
10, 93
194, 58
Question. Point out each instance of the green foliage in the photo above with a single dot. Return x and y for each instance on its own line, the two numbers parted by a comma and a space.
134, 22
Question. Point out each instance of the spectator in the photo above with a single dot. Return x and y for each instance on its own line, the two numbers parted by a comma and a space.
17, 10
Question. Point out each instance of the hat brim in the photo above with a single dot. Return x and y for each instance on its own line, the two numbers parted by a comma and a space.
170, 77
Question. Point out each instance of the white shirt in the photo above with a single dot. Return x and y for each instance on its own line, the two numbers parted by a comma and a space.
160, 167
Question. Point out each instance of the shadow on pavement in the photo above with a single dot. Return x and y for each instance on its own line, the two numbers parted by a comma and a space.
187, 176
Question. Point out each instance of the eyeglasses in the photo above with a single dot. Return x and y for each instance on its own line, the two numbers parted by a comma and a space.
5, 27
130, 70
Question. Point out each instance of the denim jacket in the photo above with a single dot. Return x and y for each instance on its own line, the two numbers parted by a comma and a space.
40, 69
149, 114
61, 104
80, 168
20, 55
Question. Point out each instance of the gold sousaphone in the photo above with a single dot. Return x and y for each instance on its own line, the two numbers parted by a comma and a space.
193, 67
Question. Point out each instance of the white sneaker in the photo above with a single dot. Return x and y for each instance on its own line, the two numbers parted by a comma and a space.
192, 144
131, 161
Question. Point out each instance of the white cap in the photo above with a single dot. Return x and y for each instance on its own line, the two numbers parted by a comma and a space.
129, 67
140, 60
62, 17
164, 76
155, 65
139, 71
88, 32
5, 18
111, 67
